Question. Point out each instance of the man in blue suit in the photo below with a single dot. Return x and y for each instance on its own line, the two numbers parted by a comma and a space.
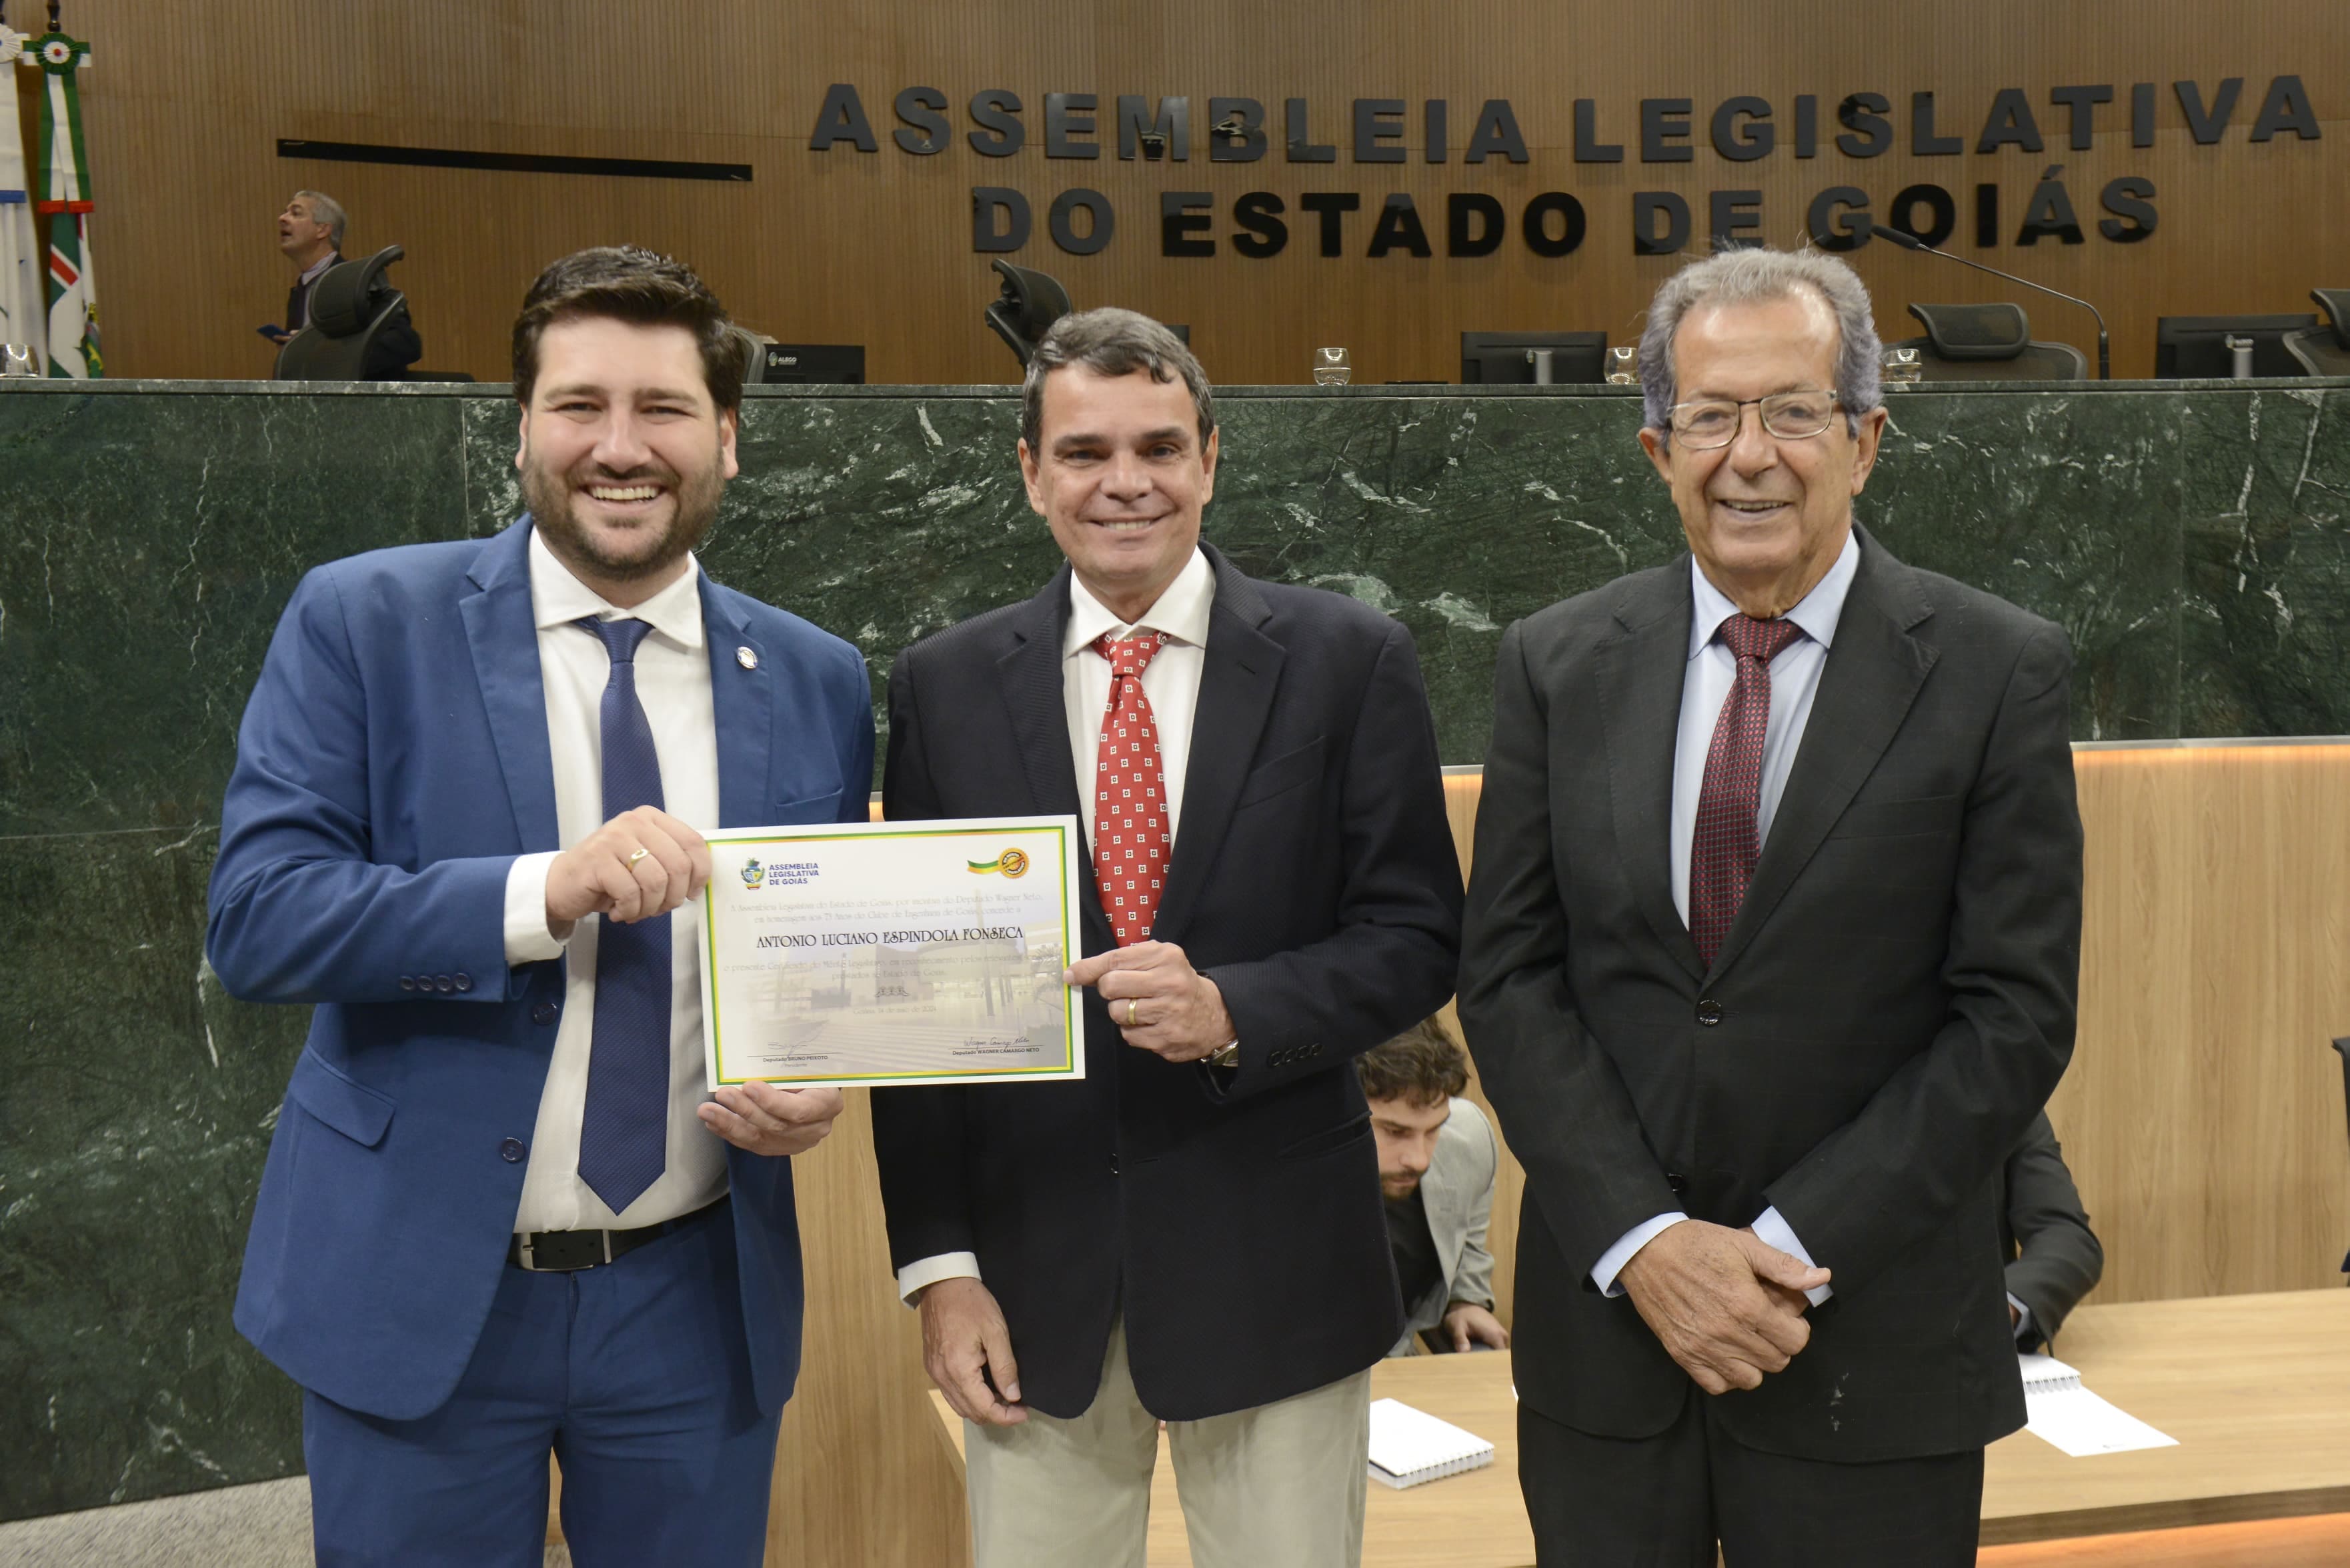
500, 1216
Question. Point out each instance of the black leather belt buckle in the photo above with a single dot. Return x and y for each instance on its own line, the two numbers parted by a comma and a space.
562, 1251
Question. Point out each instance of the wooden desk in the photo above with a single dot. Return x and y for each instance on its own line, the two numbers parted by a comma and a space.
1472, 1520
2256, 1389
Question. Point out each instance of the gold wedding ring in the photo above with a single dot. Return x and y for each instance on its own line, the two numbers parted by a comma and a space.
1129, 1013
639, 855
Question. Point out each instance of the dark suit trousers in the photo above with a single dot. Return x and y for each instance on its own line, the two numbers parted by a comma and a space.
637, 1375
1663, 1502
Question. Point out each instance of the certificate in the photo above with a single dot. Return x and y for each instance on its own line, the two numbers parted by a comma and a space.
877, 953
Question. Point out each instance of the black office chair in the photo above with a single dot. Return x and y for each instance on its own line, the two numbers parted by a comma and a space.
1988, 343
352, 306
2324, 350
1030, 303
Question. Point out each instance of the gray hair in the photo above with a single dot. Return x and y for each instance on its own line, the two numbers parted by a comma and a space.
1751, 277
1112, 342
330, 211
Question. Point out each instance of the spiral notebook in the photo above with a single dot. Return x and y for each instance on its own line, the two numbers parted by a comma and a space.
2064, 1414
1409, 1446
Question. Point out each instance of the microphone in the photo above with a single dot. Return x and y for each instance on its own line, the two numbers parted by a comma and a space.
1909, 241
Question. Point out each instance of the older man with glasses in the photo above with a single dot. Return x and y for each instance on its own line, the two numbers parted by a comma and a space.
1773, 947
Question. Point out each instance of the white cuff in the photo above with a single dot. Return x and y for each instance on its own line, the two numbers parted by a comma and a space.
1611, 1262
923, 1273
2023, 1317
1772, 1227
528, 941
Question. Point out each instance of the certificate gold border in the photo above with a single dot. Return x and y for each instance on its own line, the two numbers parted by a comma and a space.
1061, 830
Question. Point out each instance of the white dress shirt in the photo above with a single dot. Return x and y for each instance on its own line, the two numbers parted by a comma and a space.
1171, 683
673, 686
1713, 670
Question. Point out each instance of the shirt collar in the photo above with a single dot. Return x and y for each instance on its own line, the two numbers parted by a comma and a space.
1181, 611
1816, 613
310, 273
557, 598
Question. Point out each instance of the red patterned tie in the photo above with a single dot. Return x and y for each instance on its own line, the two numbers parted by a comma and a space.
1130, 835
1723, 849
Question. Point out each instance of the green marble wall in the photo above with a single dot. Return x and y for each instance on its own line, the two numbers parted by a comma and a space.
2193, 539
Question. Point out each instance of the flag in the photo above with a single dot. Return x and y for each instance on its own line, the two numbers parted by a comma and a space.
23, 317
65, 202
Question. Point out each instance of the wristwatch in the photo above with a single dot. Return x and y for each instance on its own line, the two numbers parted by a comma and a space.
1228, 1054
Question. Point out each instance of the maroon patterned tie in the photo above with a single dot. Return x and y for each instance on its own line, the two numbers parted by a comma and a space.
1722, 849
1130, 836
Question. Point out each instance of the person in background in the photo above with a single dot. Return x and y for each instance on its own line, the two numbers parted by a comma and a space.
2054, 1258
310, 237
1437, 1157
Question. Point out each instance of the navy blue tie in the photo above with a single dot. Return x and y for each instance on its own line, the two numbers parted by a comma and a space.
624, 1134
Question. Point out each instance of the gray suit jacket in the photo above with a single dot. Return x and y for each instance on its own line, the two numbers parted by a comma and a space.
2042, 1227
1457, 1193
1891, 1007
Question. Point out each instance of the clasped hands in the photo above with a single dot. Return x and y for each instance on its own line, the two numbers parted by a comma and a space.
1725, 1305
1159, 1001
645, 863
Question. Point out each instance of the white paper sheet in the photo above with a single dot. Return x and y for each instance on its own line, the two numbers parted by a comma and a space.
2062, 1413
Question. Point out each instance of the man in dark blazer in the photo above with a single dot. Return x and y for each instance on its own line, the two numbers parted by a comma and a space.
1772, 952
1193, 1233
310, 236
501, 1216
2055, 1258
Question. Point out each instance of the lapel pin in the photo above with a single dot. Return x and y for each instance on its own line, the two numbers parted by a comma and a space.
746, 659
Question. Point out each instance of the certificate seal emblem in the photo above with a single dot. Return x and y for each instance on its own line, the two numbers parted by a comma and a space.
754, 874
1011, 863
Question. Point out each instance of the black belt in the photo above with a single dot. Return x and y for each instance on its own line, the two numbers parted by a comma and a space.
567, 1251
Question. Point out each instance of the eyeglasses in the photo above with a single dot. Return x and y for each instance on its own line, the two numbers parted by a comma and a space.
1790, 416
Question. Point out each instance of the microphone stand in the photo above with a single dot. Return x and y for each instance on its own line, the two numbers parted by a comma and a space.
1909, 241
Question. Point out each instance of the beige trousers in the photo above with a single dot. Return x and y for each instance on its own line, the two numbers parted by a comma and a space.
1281, 1484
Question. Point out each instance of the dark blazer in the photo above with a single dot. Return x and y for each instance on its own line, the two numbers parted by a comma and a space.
1893, 1003
1236, 1224
297, 298
392, 762
2044, 1229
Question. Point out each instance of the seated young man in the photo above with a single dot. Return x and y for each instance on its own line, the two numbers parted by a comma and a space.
1437, 1160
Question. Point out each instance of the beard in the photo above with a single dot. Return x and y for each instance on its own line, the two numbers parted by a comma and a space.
641, 553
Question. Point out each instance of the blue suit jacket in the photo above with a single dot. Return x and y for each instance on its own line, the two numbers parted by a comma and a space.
392, 762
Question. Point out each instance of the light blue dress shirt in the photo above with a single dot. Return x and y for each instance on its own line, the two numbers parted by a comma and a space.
1712, 671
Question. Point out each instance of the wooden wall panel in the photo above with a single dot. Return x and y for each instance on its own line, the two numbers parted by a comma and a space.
860, 1474
183, 105
2204, 1112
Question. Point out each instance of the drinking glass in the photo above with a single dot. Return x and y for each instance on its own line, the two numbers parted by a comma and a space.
1332, 368
1902, 367
1624, 366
